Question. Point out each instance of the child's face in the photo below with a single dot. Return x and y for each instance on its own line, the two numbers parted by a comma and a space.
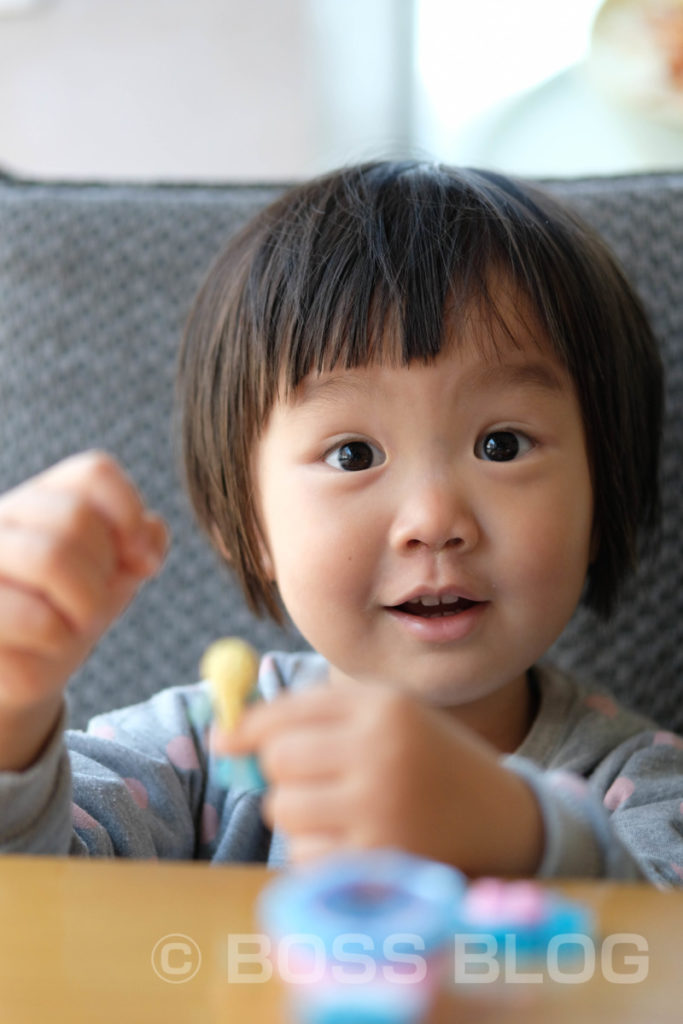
430, 526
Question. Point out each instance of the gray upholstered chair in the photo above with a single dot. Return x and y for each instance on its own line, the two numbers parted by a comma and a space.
95, 282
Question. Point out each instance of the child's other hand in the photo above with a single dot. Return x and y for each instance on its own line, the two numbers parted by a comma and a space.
75, 544
361, 766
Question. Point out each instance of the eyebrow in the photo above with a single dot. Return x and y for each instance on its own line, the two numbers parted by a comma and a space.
539, 375
314, 388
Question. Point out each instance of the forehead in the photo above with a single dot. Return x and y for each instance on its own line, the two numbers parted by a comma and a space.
471, 361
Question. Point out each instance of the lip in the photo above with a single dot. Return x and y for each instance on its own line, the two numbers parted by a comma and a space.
439, 592
441, 629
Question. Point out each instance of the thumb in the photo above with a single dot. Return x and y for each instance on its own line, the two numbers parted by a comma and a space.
144, 551
142, 558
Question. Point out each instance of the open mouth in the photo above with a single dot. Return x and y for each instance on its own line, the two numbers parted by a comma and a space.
429, 607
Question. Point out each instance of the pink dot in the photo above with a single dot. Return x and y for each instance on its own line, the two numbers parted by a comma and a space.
620, 790
490, 900
102, 731
209, 829
81, 818
138, 792
603, 704
181, 752
678, 869
667, 739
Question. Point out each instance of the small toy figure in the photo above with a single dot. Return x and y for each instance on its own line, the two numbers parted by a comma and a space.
231, 667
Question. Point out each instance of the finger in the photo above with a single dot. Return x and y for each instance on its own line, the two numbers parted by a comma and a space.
105, 482
99, 480
118, 595
262, 720
306, 848
58, 569
303, 808
145, 550
64, 514
304, 753
219, 740
70, 499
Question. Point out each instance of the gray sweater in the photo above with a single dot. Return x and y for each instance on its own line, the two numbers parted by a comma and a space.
141, 783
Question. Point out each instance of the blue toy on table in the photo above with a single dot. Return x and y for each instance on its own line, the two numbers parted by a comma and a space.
368, 937
521, 925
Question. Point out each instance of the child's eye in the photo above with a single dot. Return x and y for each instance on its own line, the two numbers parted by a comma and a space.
502, 446
353, 456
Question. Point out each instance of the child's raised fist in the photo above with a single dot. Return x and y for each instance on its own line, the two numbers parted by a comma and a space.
76, 541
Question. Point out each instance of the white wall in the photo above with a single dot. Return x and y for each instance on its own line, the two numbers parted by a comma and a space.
199, 89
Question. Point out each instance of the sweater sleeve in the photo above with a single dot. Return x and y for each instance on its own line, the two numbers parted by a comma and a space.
623, 821
35, 804
138, 783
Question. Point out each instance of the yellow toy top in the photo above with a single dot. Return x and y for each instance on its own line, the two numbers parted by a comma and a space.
231, 666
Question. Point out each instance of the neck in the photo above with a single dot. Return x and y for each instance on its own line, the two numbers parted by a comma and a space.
503, 718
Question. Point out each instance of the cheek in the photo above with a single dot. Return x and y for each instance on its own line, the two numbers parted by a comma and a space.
553, 551
324, 561
319, 560
299, 536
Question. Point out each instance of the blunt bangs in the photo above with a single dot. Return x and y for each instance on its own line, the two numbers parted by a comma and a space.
385, 262
373, 266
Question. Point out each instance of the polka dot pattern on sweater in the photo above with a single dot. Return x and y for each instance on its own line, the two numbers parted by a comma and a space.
209, 825
138, 791
81, 818
620, 790
667, 739
603, 704
182, 754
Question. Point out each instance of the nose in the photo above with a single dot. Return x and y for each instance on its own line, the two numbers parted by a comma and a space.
435, 515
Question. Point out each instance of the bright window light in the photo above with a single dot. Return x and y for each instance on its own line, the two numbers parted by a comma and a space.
472, 54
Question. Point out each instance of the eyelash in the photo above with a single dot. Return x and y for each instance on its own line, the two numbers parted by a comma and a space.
480, 450
522, 449
348, 444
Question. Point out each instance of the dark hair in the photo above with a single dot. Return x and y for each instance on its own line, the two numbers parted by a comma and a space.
314, 280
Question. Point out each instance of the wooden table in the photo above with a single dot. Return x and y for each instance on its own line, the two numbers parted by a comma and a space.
103, 941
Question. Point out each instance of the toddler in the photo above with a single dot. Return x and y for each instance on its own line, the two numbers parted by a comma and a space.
420, 413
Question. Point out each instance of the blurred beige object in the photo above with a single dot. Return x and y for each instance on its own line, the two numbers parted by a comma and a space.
231, 666
636, 55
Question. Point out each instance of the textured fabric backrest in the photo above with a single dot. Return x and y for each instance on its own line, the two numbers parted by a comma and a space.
95, 284
638, 654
